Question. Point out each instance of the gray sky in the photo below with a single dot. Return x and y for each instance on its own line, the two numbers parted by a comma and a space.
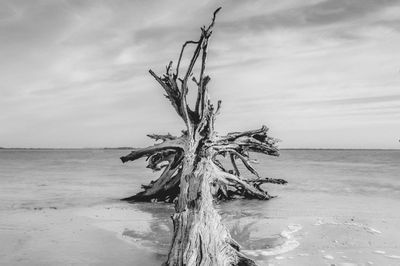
319, 73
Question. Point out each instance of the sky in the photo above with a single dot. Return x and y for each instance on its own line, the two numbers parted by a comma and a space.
318, 73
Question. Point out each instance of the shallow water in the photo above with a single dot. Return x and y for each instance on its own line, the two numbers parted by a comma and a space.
340, 206
84, 177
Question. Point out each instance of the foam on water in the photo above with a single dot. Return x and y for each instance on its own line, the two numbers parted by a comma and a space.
290, 243
379, 252
328, 257
359, 225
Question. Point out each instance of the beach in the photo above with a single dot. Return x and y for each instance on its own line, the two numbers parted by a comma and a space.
62, 207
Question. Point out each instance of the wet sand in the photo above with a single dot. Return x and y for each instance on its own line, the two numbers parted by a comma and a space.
63, 237
118, 233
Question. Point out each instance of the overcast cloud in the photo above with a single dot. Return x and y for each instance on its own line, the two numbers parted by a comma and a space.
319, 73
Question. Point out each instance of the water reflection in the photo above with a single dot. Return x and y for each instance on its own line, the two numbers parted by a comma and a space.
244, 218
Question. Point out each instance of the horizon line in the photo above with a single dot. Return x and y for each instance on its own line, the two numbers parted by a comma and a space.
132, 148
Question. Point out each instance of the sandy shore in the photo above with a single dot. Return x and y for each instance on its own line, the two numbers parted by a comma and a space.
50, 236
117, 233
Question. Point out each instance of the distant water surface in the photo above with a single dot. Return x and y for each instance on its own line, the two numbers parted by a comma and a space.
82, 177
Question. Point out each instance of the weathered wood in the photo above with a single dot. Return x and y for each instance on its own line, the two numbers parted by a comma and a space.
162, 137
166, 187
176, 144
192, 175
199, 236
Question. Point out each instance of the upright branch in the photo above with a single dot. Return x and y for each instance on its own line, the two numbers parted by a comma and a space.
172, 81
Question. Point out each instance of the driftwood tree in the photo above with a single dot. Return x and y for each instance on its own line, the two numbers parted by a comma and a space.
193, 175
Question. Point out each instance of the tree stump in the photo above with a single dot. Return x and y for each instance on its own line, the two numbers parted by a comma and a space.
193, 176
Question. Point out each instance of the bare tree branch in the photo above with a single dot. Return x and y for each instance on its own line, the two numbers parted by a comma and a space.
180, 56
234, 135
162, 137
250, 190
176, 144
173, 94
264, 180
235, 168
245, 162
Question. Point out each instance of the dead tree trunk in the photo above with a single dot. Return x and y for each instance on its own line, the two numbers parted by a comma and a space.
193, 175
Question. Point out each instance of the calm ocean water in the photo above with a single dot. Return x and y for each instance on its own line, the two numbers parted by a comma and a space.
32, 178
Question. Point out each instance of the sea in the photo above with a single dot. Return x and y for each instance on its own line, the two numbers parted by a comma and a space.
338, 205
